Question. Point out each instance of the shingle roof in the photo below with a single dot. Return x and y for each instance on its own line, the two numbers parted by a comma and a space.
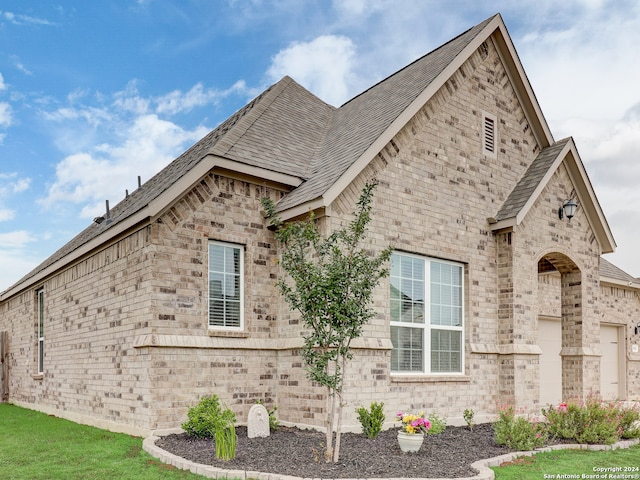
260, 134
609, 270
530, 180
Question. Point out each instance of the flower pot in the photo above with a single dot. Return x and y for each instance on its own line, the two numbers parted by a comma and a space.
410, 442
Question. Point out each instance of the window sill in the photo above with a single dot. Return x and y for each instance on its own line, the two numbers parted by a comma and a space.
227, 333
402, 378
38, 376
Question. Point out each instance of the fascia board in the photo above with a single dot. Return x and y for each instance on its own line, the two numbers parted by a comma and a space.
584, 190
619, 283
506, 224
102, 239
304, 209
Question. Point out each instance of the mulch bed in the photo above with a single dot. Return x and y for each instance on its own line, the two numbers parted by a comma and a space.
296, 452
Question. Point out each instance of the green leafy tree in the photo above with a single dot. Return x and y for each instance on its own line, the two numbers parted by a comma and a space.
331, 282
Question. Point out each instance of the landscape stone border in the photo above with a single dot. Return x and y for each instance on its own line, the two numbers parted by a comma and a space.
482, 466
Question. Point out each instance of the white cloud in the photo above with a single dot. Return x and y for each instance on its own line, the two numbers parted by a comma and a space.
323, 66
15, 256
3, 86
10, 184
15, 240
6, 214
19, 19
91, 177
197, 96
5, 114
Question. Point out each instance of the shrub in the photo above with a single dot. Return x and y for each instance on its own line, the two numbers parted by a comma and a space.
438, 424
593, 422
209, 419
203, 417
371, 420
630, 423
518, 433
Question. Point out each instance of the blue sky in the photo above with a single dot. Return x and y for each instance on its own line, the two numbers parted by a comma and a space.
94, 94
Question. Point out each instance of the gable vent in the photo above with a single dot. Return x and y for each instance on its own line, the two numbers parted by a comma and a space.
484, 50
488, 134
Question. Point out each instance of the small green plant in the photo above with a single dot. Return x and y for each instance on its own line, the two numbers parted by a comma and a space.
371, 420
209, 419
438, 424
518, 433
469, 415
274, 424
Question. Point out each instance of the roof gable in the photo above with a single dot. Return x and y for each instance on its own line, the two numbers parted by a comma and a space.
530, 186
360, 128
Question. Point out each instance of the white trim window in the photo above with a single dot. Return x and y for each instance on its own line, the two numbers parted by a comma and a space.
427, 315
226, 280
40, 320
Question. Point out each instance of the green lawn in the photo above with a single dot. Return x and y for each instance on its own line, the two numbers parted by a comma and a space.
35, 446
583, 464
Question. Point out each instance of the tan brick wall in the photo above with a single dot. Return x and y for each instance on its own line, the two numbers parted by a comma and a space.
93, 310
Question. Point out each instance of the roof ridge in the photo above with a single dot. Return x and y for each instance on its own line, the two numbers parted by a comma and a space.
260, 105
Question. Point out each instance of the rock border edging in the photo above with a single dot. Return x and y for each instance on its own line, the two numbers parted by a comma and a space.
482, 466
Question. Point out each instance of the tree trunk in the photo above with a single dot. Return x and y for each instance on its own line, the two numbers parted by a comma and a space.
336, 450
338, 395
328, 454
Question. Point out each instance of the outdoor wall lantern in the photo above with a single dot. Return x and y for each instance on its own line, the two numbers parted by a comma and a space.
568, 209
638, 328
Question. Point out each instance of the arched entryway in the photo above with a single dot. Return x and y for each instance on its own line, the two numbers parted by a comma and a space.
559, 333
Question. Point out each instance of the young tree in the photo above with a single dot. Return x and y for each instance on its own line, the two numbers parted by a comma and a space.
331, 283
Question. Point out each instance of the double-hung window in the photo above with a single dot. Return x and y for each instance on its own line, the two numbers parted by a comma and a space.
426, 315
40, 320
225, 286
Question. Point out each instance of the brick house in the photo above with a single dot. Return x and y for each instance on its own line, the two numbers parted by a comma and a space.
492, 296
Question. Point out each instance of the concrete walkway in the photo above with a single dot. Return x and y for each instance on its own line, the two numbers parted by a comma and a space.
482, 466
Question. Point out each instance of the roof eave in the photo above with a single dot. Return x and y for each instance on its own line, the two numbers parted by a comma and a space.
619, 283
153, 209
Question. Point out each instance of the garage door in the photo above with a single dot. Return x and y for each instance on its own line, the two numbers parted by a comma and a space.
610, 362
550, 342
